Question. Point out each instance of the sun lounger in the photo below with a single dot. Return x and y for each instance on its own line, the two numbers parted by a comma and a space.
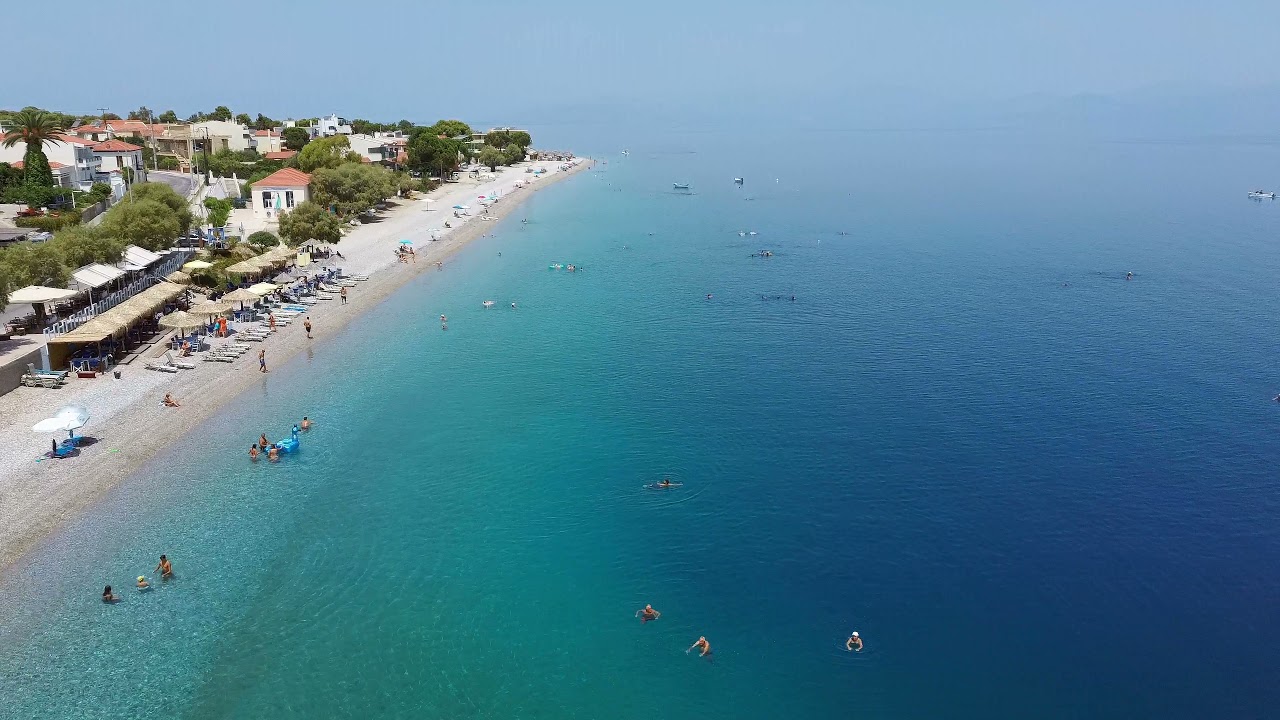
169, 359
60, 375
45, 381
153, 365
218, 357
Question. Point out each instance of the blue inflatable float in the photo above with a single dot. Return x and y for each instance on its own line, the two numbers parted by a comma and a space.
290, 444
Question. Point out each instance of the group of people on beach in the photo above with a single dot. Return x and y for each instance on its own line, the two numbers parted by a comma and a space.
272, 449
164, 567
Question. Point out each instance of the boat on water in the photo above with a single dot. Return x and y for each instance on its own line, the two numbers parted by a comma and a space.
680, 186
737, 181
1260, 194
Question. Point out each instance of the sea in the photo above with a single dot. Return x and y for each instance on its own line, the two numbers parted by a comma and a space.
902, 378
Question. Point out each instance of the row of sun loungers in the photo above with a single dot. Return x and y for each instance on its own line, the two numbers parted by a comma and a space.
44, 378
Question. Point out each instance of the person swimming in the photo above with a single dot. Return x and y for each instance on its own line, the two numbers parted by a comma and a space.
142, 583
262, 441
165, 568
854, 643
108, 596
647, 613
306, 423
253, 451
513, 306
708, 296
273, 454
1128, 276
701, 644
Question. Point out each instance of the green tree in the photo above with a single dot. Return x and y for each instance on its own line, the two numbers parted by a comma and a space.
451, 128
244, 119
498, 138
329, 152
521, 138
9, 177
352, 188
514, 154
147, 223
492, 157
307, 222
33, 264
143, 113
262, 122
80, 245
6, 287
222, 112
35, 128
99, 192
429, 154
219, 211
168, 116
166, 196
404, 126
263, 240
295, 138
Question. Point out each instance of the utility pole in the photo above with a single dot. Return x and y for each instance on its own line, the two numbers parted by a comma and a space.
206, 156
103, 113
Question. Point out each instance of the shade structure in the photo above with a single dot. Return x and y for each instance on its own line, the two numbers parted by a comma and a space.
283, 278
197, 265
244, 251
120, 317
140, 257
67, 418
241, 295
262, 289
179, 320
210, 307
38, 294
282, 252
96, 275
179, 277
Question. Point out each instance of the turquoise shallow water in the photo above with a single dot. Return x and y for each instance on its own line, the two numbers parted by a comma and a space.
1033, 486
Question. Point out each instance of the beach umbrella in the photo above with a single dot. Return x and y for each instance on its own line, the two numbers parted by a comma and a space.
179, 320
241, 296
36, 296
461, 207
262, 289
406, 242
68, 417
197, 265
283, 278
210, 307
178, 276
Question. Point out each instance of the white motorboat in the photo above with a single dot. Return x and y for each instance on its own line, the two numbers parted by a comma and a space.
1260, 194
680, 186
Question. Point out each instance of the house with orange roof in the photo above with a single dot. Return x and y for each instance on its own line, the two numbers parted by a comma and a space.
266, 142
280, 192
118, 154
81, 166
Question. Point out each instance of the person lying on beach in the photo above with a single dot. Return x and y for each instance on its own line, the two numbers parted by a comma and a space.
142, 583
169, 401
108, 596
647, 614
702, 643
253, 451
854, 643
165, 568
306, 423
273, 454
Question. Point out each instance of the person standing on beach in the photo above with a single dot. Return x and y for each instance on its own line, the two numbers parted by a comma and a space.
343, 294
271, 321
262, 360
306, 324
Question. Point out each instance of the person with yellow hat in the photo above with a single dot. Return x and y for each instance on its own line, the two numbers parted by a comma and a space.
142, 583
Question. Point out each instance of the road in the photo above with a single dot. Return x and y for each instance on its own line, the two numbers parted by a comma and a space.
180, 182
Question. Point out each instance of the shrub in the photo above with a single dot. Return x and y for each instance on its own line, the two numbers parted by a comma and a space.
263, 239
50, 223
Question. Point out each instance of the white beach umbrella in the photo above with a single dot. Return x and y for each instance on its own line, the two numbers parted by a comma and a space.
68, 417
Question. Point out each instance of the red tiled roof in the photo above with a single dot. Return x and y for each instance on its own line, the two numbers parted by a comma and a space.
89, 129
115, 146
266, 133
281, 155
74, 140
285, 177
53, 165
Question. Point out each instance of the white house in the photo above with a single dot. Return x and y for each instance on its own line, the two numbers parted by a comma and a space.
280, 192
118, 154
266, 141
332, 125
223, 135
81, 167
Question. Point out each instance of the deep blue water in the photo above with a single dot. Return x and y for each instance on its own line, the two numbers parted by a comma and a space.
1035, 488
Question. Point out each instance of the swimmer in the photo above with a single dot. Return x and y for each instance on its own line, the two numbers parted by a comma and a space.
1128, 276
306, 423
262, 441
793, 298
647, 614
513, 306
708, 296
165, 568
253, 451
666, 483
703, 645
854, 643
108, 596
444, 319
273, 454
142, 583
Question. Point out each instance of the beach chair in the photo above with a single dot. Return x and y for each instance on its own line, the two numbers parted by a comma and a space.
169, 359
218, 357
59, 375
44, 381
159, 366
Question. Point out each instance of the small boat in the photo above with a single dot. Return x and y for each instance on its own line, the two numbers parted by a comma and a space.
1260, 194
737, 181
626, 152
680, 186
488, 303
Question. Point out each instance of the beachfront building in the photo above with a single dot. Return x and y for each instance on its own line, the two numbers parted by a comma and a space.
223, 135
280, 192
266, 141
115, 155
72, 158
332, 125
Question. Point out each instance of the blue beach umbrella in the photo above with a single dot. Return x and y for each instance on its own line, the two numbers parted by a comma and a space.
406, 242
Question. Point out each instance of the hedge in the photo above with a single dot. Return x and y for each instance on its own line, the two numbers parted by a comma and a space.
50, 223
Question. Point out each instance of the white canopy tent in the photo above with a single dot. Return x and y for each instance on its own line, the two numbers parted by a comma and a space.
136, 258
39, 294
92, 277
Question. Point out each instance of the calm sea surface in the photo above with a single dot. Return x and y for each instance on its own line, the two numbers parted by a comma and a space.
1035, 488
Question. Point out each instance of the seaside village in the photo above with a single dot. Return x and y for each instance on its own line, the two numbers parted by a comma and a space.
137, 250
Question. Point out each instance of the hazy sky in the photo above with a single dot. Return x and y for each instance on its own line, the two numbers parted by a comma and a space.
421, 60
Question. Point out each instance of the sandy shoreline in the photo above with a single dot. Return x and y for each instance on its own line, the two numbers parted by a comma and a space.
130, 426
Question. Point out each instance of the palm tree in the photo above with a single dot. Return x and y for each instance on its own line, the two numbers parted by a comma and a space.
35, 128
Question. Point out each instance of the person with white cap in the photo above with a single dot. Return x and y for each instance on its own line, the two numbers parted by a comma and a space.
854, 643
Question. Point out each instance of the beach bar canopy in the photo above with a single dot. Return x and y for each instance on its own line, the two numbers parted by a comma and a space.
197, 265
136, 258
92, 277
39, 294
118, 319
